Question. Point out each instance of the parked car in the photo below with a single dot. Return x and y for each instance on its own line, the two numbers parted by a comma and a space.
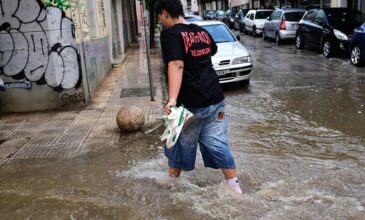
208, 15
228, 18
239, 20
232, 61
192, 18
357, 46
329, 29
219, 15
282, 24
254, 21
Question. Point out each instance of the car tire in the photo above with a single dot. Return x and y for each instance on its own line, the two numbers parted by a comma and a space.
254, 34
327, 49
355, 56
299, 41
264, 37
277, 39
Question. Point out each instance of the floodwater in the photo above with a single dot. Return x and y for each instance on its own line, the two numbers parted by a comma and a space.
297, 133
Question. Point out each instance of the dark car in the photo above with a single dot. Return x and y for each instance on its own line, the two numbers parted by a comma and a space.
239, 20
208, 15
357, 46
219, 15
228, 18
328, 29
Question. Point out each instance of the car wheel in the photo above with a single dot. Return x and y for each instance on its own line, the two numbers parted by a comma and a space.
327, 49
299, 41
254, 34
264, 34
355, 56
277, 39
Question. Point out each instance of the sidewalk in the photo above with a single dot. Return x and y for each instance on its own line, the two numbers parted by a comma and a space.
64, 134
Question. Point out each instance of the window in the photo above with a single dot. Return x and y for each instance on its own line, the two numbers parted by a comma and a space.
263, 14
278, 15
310, 15
273, 15
293, 16
320, 18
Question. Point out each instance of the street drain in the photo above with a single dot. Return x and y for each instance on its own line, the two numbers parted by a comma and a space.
137, 92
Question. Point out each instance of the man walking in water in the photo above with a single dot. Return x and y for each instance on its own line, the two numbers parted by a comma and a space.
193, 83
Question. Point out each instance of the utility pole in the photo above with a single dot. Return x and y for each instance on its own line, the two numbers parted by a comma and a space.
146, 36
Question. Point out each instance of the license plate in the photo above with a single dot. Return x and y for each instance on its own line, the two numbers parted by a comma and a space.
222, 72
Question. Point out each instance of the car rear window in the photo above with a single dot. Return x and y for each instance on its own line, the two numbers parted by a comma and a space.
219, 33
263, 14
293, 16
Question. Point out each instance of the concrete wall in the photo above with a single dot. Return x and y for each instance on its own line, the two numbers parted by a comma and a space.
97, 62
46, 45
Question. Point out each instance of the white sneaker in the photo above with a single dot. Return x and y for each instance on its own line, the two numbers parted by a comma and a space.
174, 122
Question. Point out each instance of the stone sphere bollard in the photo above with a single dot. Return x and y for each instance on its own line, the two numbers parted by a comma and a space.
130, 119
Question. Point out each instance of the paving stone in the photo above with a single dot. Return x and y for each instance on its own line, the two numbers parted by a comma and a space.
65, 134
11, 146
32, 151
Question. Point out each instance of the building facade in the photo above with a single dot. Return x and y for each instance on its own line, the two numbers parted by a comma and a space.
55, 53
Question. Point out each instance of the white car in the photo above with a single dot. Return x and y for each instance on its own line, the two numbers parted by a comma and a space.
232, 61
255, 20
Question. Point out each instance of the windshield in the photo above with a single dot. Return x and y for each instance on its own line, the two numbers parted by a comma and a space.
263, 14
219, 33
229, 13
220, 13
344, 17
211, 13
293, 16
193, 18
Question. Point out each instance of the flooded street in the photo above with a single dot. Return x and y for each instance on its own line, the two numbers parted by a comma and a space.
297, 133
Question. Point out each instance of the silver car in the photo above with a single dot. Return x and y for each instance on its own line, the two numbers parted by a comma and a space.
282, 24
232, 61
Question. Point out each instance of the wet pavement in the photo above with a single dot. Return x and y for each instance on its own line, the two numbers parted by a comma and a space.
297, 133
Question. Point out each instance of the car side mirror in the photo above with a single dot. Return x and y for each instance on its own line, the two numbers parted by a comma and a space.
238, 37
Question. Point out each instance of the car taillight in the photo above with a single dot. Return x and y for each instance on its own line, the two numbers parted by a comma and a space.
283, 25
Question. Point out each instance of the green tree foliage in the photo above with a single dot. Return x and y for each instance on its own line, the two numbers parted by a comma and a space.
63, 4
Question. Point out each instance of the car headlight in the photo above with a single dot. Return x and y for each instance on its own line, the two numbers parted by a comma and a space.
241, 60
340, 35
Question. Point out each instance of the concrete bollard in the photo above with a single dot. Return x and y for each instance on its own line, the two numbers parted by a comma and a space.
130, 119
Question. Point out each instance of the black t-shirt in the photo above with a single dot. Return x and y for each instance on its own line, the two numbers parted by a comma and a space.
194, 46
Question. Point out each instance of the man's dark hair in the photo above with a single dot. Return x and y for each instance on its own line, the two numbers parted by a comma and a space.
173, 7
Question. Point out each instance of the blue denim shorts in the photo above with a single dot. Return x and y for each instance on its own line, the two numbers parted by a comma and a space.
209, 130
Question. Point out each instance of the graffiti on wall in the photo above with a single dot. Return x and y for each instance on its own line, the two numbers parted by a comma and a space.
101, 13
37, 43
72, 99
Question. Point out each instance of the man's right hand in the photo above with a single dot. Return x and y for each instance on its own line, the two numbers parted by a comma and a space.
169, 104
